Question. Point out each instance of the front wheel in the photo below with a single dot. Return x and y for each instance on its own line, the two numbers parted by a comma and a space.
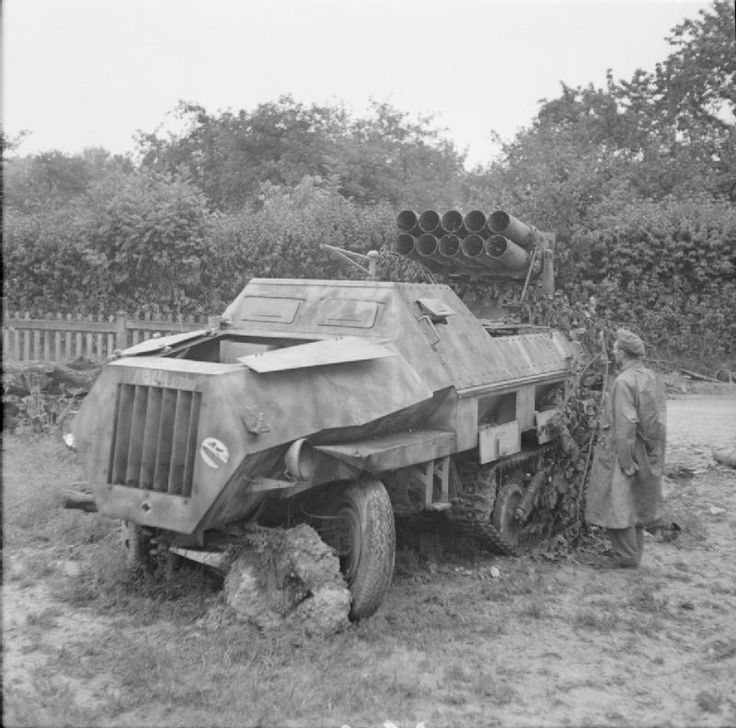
137, 547
362, 533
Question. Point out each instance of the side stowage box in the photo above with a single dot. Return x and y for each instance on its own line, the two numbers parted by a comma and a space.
496, 441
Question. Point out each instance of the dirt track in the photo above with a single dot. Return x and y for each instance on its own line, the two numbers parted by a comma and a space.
547, 643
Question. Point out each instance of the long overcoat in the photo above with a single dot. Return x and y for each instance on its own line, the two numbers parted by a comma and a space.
633, 432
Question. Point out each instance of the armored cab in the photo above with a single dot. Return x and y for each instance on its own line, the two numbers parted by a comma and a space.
339, 403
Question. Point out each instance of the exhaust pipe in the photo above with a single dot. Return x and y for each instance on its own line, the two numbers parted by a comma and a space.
508, 254
516, 231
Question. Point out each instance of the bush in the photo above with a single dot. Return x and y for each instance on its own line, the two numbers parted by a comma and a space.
135, 241
283, 238
665, 269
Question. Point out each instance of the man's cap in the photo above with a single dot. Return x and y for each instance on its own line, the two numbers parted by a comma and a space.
630, 343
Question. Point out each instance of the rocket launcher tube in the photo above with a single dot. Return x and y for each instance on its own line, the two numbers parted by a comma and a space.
426, 246
516, 231
406, 220
408, 246
477, 253
472, 246
475, 222
404, 244
450, 248
452, 221
510, 255
449, 245
429, 221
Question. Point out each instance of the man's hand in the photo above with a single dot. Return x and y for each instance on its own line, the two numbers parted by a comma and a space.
630, 471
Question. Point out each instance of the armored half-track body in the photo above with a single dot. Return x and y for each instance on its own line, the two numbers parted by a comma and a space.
339, 403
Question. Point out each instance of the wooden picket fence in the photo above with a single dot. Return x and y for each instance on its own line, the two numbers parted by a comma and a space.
63, 338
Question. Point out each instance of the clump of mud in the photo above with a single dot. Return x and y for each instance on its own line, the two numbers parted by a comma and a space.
289, 579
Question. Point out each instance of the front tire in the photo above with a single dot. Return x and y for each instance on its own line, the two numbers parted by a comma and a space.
363, 535
137, 547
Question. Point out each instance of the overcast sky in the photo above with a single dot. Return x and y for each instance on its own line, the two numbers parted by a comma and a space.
82, 73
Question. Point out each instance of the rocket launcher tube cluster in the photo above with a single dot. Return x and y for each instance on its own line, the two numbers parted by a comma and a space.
496, 244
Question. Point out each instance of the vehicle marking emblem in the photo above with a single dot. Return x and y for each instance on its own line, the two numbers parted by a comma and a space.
213, 452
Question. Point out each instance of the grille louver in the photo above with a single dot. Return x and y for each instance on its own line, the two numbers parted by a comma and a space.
154, 438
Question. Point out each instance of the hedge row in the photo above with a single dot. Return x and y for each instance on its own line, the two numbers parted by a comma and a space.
666, 269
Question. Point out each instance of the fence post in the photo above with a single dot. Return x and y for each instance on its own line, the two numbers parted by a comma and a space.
121, 330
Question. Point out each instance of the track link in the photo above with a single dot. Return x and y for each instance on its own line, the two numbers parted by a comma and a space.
473, 510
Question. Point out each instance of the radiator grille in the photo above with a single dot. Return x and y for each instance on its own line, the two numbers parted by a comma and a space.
154, 438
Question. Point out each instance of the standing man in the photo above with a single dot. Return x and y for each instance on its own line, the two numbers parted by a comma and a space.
625, 491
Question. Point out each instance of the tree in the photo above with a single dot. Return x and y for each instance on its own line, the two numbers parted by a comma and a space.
53, 179
233, 155
387, 157
683, 112
665, 133
148, 234
635, 178
131, 240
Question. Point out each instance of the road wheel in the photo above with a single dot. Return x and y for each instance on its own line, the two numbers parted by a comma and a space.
504, 513
362, 533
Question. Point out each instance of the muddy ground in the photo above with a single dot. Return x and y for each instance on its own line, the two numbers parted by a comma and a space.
553, 643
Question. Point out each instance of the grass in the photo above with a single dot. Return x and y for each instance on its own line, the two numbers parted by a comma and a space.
443, 650
36, 470
709, 701
600, 620
45, 619
534, 608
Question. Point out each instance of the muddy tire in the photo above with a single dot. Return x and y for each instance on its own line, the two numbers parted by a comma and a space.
363, 535
137, 547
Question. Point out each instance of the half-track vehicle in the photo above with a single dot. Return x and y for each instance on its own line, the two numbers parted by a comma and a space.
337, 403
